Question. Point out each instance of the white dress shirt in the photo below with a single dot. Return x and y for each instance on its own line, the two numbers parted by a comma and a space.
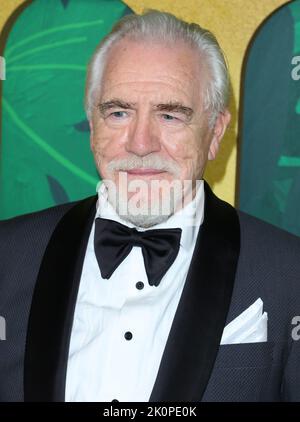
120, 328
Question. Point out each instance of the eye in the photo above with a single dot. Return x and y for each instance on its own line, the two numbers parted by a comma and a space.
118, 114
168, 117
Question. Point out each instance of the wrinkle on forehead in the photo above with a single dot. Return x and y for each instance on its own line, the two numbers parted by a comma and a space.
135, 57
148, 68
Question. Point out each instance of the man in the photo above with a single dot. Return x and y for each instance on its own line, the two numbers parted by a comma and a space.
162, 293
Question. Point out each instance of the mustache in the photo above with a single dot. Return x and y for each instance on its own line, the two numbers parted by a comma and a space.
149, 161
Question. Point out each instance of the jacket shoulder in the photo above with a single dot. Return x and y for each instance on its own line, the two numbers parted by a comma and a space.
33, 226
264, 234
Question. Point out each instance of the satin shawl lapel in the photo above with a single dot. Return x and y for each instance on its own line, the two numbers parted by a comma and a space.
53, 305
197, 328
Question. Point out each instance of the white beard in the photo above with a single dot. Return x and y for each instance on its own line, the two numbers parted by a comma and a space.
145, 218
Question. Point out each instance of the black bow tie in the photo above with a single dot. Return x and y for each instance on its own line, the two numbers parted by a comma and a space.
113, 242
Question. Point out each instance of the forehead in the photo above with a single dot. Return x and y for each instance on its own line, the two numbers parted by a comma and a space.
152, 68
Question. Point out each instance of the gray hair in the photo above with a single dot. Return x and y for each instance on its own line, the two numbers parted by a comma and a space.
165, 27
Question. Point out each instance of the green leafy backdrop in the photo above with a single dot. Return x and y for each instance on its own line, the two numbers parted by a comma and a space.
45, 153
270, 159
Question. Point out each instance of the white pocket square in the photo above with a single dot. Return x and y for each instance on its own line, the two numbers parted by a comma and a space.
251, 326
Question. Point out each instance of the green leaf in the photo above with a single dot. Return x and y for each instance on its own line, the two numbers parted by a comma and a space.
58, 192
45, 151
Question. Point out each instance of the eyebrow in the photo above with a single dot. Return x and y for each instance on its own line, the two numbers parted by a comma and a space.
107, 105
176, 107
168, 107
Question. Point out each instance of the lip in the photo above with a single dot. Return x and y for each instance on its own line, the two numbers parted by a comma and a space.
145, 172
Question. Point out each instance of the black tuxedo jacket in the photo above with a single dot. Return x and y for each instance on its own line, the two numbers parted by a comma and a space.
236, 260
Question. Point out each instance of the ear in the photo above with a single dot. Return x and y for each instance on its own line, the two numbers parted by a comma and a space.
91, 133
219, 129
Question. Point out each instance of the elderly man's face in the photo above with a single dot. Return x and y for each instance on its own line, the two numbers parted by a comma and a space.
149, 122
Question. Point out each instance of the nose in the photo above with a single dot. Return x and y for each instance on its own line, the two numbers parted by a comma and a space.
143, 137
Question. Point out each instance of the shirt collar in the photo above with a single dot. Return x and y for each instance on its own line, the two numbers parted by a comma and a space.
189, 218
